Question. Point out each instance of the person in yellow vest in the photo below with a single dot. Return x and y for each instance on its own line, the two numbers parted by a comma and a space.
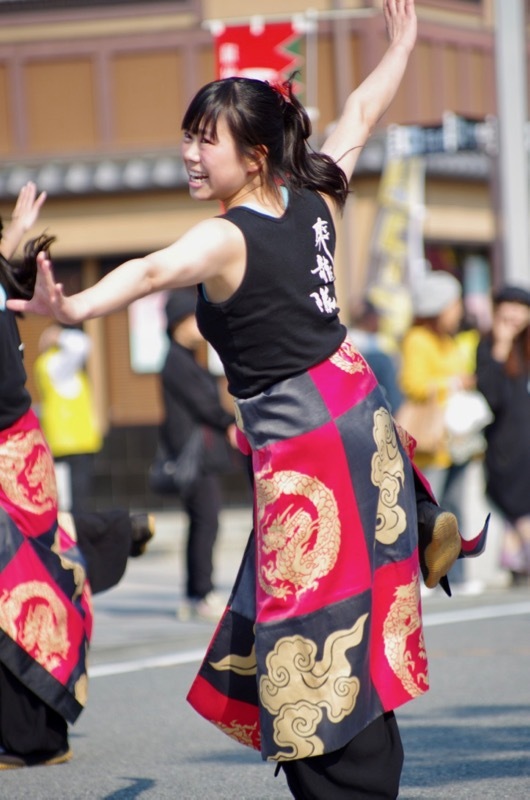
67, 412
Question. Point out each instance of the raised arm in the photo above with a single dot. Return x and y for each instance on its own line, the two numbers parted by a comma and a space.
366, 105
206, 251
24, 216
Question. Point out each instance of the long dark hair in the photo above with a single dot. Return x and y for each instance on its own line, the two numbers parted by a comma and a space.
271, 119
518, 362
19, 279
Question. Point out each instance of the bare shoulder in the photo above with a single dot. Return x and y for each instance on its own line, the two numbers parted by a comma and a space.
215, 234
222, 259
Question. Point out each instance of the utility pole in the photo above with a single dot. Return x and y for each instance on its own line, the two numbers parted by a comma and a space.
514, 219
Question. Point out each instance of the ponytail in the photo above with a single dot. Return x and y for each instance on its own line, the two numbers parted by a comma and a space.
304, 167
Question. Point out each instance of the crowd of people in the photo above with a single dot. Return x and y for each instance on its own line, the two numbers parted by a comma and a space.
445, 366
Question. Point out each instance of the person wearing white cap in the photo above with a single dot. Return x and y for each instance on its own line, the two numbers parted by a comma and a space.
432, 367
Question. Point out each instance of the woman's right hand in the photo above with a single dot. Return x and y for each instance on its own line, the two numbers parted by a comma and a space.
509, 321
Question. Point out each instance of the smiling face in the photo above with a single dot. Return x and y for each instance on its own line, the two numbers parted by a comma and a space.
215, 168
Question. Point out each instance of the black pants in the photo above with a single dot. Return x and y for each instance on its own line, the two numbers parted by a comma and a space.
202, 503
368, 768
27, 725
81, 466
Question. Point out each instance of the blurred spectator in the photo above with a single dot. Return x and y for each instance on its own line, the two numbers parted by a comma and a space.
67, 413
366, 336
503, 376
192, 406
433, 366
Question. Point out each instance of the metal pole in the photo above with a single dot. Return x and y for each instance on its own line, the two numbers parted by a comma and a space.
513, 163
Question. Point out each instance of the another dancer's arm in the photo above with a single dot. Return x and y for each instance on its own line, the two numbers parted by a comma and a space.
24, 216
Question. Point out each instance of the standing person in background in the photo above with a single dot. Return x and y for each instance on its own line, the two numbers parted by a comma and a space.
365, 334
433, 365
67, 412
322, 636
192, 404
503, 377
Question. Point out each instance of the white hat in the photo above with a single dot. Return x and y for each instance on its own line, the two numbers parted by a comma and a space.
434, 292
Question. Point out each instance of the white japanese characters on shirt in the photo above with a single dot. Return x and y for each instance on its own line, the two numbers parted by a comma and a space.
325, 301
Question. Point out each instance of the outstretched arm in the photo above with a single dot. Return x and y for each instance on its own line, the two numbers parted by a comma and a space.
24, 216
366, 105
206, 251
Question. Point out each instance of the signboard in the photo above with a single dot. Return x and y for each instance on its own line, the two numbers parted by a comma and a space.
269, 52
148, 340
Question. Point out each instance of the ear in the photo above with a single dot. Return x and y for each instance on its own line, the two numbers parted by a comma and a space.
257, 161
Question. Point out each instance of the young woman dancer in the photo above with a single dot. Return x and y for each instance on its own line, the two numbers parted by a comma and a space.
322, 637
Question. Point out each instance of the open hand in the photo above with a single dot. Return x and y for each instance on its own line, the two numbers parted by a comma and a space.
48, 297
401, 23
28, 206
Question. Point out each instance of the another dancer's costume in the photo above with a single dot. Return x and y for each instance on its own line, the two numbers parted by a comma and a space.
45, 599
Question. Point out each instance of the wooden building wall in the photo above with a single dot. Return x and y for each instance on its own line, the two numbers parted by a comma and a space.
79, 88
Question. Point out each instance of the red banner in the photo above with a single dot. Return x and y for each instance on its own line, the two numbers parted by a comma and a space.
266, 52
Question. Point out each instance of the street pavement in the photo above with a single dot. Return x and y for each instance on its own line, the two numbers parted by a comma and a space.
468, 738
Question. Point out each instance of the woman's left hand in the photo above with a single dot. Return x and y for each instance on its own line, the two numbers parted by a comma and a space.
48, 296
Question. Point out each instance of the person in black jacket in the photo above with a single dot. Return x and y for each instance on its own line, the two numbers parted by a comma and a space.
193, 407
503, 377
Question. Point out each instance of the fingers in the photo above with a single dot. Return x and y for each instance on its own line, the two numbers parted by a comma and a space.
45, 267
39, 202
28, 205
26, 197
400, 20
17, 305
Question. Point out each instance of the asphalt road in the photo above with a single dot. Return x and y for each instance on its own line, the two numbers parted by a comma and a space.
469, 737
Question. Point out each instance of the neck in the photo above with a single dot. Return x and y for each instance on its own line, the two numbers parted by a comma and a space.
259, 195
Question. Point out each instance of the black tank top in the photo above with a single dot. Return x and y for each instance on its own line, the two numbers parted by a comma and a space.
14, 397
283, 318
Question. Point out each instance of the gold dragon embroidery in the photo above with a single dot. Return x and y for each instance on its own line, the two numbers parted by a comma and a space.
298, 690
403, 621
303, 540
348, 359
33, 615
25, 476
244, 734
388, 473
